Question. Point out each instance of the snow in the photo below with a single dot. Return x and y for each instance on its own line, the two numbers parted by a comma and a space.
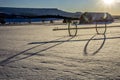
36, 52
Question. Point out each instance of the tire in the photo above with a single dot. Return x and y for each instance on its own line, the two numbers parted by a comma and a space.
72, 29
101, 29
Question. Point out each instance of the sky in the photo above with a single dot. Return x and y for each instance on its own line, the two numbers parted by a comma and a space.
66, 5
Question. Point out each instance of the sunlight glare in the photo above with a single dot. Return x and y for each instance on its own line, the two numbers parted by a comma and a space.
108, 2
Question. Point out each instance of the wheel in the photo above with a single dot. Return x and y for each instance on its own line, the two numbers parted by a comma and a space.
72, 29
101, 29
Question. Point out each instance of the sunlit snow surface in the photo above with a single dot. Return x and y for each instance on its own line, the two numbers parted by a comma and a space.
36, 52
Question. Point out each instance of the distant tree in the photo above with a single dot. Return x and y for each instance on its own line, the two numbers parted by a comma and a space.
43, 21
64, 21
51, 21
29, 21
2, 21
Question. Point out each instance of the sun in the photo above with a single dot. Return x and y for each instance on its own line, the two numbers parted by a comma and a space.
108, 2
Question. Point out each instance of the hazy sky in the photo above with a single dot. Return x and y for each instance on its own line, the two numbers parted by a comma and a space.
66, 5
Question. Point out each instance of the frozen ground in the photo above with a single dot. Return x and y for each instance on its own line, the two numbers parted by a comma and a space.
35, 52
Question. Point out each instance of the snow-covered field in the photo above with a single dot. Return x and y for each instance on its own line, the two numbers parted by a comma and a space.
36, 52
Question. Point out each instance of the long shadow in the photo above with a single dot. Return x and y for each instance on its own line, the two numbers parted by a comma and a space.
87, 44
99, 48
59, 41
9, 59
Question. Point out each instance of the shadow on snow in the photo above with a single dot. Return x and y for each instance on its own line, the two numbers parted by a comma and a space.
58, 42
